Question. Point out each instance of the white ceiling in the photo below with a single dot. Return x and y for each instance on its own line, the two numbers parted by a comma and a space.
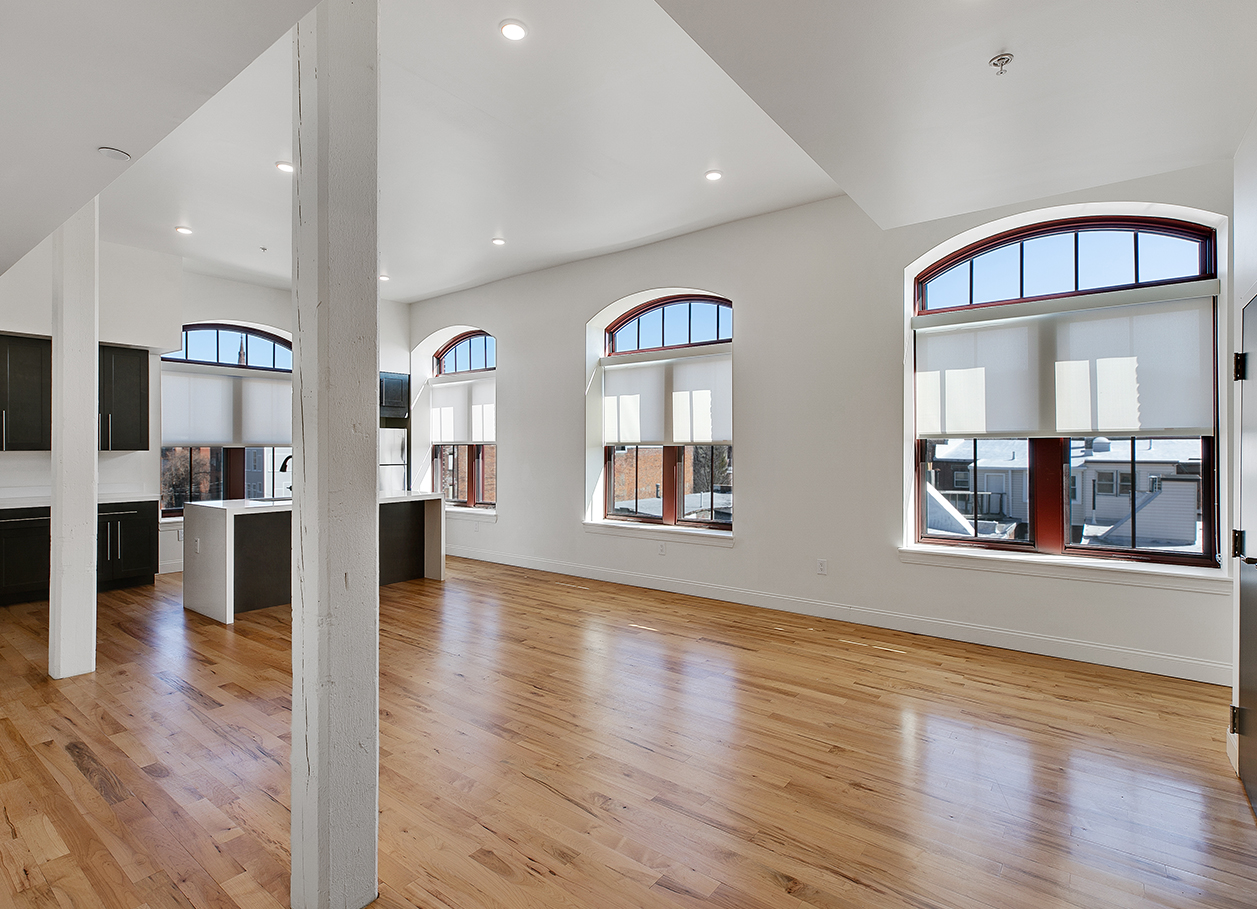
896, 100
591, 135
78, 74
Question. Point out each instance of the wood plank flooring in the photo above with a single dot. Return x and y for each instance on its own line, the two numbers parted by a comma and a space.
549, 741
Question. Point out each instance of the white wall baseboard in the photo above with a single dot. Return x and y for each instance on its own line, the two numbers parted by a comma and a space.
170, 567
1168, 664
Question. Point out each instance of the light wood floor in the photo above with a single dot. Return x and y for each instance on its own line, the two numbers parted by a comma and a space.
554, 742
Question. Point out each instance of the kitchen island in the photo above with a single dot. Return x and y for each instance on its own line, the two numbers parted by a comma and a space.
238, 552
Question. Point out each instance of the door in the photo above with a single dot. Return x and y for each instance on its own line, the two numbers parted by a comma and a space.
1248, 566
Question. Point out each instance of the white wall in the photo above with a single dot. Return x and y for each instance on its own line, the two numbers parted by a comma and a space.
211, 299
818, 302
140, 301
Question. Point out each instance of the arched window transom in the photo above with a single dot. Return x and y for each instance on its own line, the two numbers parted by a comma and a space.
470, 352
1064, 258
672, 322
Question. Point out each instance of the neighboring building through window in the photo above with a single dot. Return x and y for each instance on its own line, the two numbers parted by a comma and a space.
668, 413
1065, 394
463, 413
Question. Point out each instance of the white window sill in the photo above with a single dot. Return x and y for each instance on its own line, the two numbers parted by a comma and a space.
701, 535
170, 523
1140, 574
481, 515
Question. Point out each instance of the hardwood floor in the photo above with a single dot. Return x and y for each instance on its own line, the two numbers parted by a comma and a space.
549, 741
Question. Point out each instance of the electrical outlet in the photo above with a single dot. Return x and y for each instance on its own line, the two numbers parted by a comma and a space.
180, 534
822, 566
663, 548
197, 544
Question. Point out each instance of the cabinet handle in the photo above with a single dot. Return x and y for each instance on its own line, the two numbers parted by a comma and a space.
109, 423
119, 542
4, 430
20, 520
108, 540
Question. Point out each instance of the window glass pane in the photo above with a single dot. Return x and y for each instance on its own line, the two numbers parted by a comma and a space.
977, 491
707, 483
625, 338
490, 352
477, 352
462, 356
261, 351
255, 472
637, 481
203, 345
283, 357
453, 470
280, 473
946, 488
676, 324
176, 477
997, 274
1000, 484
651, 329
231, 349
1048, 263
725, 323
1106, 258
1165, 515
702, 322
447, 362
207, 475
949, 289
1162, 257
487, 491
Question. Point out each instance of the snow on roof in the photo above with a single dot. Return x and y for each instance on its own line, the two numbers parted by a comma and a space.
992, 453
1147, 451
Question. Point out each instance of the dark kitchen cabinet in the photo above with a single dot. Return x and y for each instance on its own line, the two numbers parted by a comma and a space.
25, 393
126, 541
25, 536
123, 398
394, 395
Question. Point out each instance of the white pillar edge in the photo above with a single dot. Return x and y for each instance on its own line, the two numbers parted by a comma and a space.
75, 376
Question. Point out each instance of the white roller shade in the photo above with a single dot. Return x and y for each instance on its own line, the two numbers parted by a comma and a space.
202, 407
197, 409
673, 401
266, 411
1140, 369
464, 411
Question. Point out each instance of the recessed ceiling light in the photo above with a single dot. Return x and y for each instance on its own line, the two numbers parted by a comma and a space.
383, 277
713, 175
285, 166
498, 241
513, 29
113, 154
183, 230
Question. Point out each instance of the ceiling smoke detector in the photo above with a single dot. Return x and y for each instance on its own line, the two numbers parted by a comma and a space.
113, 154
999, 61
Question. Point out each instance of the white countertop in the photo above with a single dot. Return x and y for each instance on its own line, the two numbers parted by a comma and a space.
105, 498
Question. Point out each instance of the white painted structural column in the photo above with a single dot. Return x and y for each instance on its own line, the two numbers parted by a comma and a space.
75, 374
336, 595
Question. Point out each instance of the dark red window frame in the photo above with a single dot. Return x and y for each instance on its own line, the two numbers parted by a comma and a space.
1165, 226
660, 303
438, 358
672, 491
475, 474
1048, 474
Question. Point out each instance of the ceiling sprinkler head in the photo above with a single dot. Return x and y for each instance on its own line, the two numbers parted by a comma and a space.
1000, 61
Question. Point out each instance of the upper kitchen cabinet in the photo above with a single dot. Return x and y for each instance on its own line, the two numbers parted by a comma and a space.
25, 393
124, 402
394, 395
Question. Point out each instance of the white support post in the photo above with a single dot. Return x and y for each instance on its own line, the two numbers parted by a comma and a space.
75, 374
336, 596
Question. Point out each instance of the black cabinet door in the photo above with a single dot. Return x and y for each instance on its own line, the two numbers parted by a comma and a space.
394, 395
25, 394
25, 551
126, 544
124, 402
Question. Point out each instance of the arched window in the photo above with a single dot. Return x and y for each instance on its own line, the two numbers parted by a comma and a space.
667, 382
470, 352
233, 345
672, 322
226, 416
463, 408
1065, 391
